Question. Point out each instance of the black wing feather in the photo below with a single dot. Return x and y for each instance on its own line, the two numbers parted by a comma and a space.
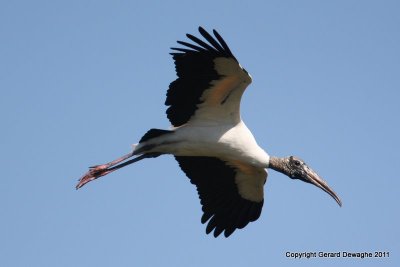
194, 47
184, 50
194, 64
201, 43
211, 40
223, 43
223, 207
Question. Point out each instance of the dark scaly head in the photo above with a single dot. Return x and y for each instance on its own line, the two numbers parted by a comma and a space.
296, 168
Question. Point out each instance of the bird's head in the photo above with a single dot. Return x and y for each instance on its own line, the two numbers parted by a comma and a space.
296, 168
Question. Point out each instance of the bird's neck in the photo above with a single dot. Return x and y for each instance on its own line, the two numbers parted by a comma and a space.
278, 164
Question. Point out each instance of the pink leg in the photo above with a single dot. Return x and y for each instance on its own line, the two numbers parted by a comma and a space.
100, 170
104, 169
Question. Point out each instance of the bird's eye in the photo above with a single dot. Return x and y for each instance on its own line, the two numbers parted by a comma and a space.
297, 163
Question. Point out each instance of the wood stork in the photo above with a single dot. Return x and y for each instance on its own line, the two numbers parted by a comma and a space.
211, 143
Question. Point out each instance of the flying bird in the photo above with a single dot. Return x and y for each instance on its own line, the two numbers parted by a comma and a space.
210, 141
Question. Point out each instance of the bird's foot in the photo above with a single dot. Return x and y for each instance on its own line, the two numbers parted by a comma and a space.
101, 170
93, 173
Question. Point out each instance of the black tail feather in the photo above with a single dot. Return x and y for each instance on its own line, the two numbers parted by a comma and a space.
152, 133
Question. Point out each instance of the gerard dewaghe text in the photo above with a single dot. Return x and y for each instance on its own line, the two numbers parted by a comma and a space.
338, 254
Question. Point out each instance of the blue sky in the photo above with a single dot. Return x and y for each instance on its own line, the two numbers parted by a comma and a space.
81, 81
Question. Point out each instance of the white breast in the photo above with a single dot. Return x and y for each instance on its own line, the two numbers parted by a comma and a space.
229, 142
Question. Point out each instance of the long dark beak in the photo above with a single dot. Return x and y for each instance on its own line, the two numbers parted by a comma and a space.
313, 178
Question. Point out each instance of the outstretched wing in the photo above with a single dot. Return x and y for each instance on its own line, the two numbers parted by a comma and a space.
210, 82
231, 194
